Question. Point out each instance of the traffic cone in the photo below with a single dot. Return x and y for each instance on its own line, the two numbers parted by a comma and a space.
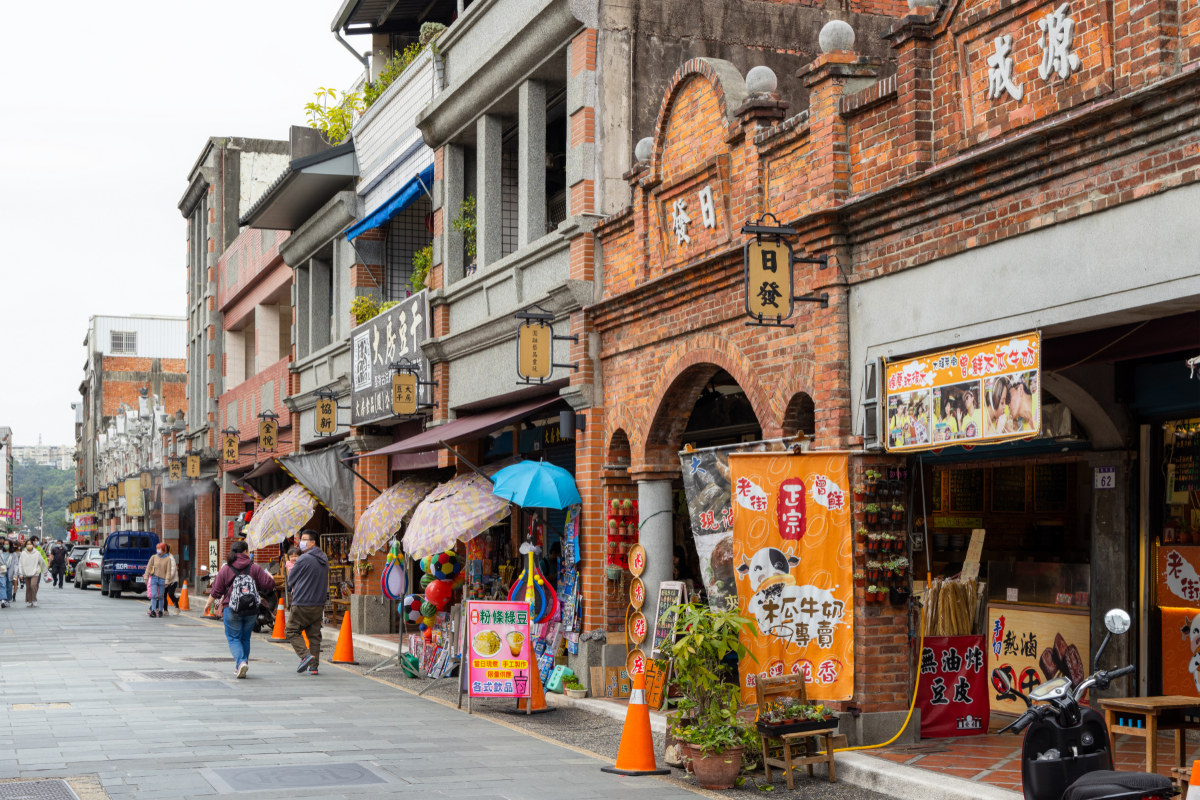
636, 753
343, 653
213, 611
279, 632
183, 605
537, 697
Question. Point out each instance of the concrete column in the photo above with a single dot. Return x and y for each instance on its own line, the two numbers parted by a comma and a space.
266, 328
1112, 562
489, 214
235, 358
654, 518
320, 290
453, 190
300, 299
531, 162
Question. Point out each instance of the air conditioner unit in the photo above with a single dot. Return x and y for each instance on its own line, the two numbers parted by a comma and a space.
872, 410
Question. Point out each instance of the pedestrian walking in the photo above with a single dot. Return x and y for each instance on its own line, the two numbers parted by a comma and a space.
8, 572
11, 560
308, 591
172, 584
160, 570
58, 563
31, 566
238, 586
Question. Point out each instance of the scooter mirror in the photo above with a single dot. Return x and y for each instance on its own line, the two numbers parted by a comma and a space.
1117, 621
1000, 681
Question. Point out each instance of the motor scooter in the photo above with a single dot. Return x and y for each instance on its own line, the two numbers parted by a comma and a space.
1065, 755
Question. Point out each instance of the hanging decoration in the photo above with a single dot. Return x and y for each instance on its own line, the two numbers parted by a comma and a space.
394, 582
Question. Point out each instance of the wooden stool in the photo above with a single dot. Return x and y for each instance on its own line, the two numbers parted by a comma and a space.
1180, 777
790, 750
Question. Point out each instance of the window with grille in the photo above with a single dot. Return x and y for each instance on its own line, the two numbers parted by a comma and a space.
123, 342
406, 234
508, 195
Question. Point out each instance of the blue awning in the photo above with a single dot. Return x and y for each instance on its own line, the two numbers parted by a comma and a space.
418, 185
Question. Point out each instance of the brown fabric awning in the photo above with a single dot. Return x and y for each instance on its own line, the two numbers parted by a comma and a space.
464, 428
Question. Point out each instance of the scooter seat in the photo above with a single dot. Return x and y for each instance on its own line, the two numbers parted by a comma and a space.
1107, 783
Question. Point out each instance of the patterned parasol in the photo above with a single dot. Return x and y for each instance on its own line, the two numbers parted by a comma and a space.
458, 510
280, 516
384, 516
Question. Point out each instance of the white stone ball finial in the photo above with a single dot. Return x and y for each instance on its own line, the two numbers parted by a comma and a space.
761, 80
644, 149
836, 35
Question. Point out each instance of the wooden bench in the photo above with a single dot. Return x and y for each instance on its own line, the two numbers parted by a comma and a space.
791, 750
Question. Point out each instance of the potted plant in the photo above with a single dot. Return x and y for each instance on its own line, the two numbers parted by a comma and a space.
876, 594
860, 493
792, 716
464, 223
872, 512
871, 478
573, 688
897, 512
862, 533
887, 541
874, 543
860, 577
706, 719
874, 570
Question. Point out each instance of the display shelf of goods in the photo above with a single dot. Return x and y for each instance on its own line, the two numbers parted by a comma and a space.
782, 728
620, 535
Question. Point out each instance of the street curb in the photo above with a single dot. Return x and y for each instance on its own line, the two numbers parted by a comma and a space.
603, 708
902, 782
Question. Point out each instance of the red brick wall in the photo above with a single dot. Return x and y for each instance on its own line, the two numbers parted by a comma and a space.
248, 397
377, 470
123, 376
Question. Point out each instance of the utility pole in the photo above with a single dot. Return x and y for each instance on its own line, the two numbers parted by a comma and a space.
41, 513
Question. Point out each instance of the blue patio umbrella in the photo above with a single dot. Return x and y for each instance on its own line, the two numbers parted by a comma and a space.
536, 484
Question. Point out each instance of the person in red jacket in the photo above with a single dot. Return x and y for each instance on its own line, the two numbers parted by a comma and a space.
238, 627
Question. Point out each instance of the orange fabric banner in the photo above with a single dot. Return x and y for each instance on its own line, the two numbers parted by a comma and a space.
793, 553
1181, 651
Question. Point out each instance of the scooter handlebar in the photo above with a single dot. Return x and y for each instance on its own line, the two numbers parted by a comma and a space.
1120, 673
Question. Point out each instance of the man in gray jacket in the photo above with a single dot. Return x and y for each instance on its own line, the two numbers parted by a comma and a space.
308, 587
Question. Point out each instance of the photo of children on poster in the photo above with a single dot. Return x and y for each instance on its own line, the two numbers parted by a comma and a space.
975, 393
792, 552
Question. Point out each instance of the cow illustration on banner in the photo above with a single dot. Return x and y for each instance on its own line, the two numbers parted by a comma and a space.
793, 554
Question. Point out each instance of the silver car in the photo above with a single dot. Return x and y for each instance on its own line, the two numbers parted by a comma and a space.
87, 568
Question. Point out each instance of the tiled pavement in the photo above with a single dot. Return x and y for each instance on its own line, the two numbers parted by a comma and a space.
76, 704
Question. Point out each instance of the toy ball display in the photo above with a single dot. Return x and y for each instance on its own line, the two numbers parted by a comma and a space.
442, 566
412, 607
427, 580
439, 593
428, 609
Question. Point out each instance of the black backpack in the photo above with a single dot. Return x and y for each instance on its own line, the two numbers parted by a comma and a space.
243, 594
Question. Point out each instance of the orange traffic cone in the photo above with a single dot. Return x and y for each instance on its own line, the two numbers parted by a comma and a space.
537, 697
183, 604
212, 610
279, 632
636, 753
343, 653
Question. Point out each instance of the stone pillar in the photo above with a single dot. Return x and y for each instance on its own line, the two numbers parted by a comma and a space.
320, 284
654, 518
451, 197
531, 162
266, 332
488, 205
1111, 561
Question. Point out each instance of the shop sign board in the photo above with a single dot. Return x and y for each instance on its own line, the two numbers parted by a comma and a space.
974, 394
395, 336
535, 350
325, 416
174, 470
230, 448
1033, 646
954, 687
212, 557
1178, 576
670, 594
1181, 651
798, 590
404, 394
498, 650
768, 274
85, 523
193, 467
268, 434
656, 682
1104, 478
135, 499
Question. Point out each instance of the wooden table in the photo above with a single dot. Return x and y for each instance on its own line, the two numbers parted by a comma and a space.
1157, 714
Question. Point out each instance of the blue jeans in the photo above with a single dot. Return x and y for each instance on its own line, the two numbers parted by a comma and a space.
158, 591
5, 587
237, 631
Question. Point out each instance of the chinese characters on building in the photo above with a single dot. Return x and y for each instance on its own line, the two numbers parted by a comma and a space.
680, 218
1056, 47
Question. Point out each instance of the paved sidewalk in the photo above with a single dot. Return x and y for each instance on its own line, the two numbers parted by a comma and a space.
149, 708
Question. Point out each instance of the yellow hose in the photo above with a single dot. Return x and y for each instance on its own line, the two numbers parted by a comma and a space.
911, 703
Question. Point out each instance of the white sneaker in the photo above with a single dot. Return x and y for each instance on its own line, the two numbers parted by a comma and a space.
243, 668
33, 605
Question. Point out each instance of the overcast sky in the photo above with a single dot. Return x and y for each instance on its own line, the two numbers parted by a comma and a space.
105, 108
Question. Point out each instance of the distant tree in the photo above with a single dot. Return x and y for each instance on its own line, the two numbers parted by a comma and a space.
58, 489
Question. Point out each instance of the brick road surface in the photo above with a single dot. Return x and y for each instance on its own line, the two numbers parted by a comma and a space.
89, 696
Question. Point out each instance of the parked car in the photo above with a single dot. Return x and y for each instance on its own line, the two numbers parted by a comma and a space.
78, 551
125, 555
87, 569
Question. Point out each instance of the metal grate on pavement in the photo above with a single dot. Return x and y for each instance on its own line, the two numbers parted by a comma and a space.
174, 675
293, 776
37, 790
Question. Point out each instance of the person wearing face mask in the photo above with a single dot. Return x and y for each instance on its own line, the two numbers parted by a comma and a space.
31, 565
58, 563
239, 626
160, 570
172, 594
308, 589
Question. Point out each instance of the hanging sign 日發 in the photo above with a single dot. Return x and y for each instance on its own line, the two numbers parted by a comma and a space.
973, 394
377, 346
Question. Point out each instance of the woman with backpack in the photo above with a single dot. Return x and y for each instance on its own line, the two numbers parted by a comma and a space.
238, 586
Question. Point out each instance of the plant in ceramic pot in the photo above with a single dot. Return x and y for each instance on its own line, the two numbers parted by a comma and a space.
860, 492
573, 688
707, 715
860, 577
862, 533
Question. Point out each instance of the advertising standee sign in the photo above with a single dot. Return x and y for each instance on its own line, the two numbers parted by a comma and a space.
395, 335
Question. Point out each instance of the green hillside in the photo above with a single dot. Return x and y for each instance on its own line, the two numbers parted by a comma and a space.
58, 489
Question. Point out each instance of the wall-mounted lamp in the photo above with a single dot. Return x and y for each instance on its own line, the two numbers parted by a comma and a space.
569, 422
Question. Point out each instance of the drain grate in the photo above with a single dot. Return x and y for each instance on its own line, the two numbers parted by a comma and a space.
223, 660
292, 776
37, 790
175, 675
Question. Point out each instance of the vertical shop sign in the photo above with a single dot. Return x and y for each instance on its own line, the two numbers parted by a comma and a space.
326, 416
135, 500
230, 448
377, 346
147, 480
268, 434
404, 394
498, 648
175, 469
799, 592
768, 270
193, 466
953, 689
17, 508
534, 350
670, 594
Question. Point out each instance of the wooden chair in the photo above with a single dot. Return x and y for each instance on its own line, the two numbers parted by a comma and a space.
791, 750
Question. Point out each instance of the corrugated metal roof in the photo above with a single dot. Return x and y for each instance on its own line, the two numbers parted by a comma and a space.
370, 16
